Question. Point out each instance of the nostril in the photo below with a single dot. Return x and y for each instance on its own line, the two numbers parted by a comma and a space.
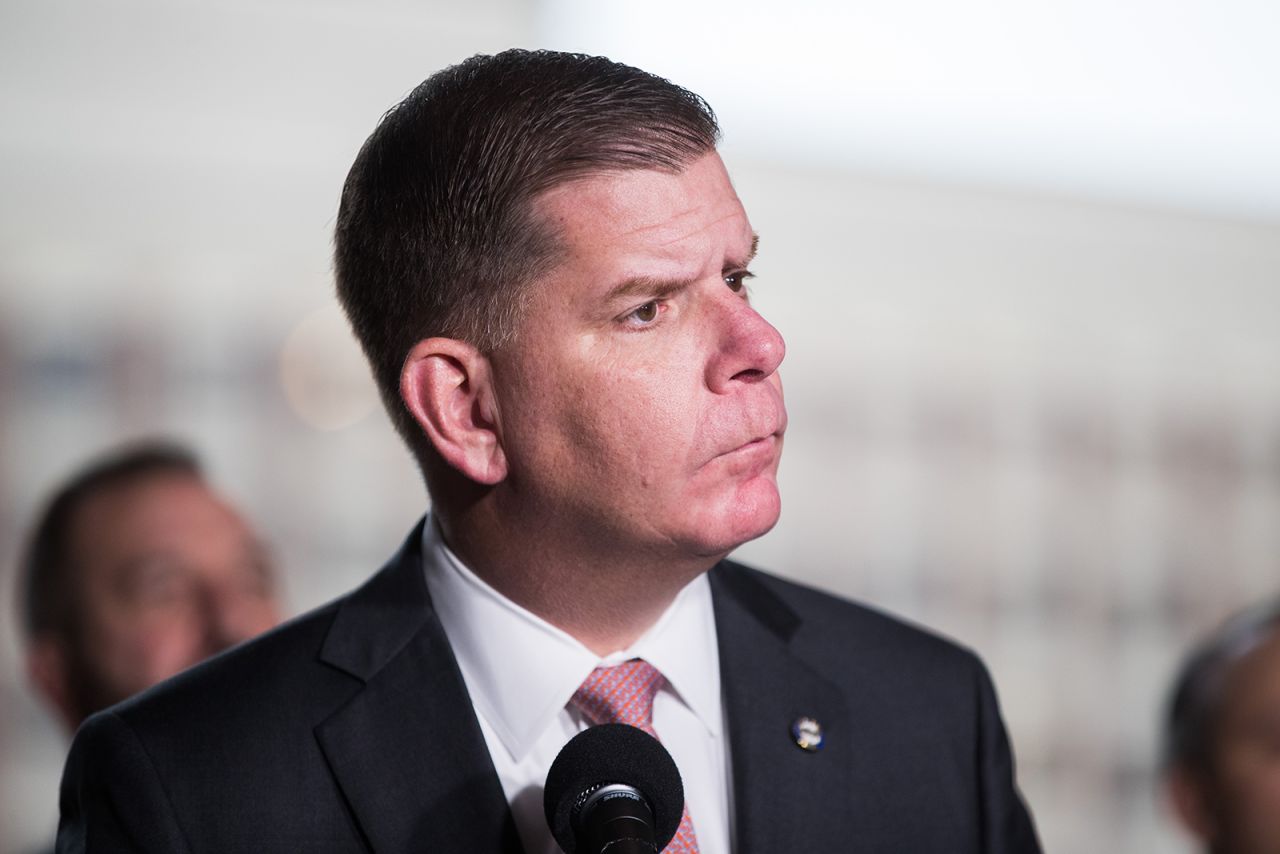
751, 375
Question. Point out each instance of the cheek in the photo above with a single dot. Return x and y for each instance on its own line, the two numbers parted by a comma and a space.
259, 615
1260, 791
1247, 800
138, 652
633, 418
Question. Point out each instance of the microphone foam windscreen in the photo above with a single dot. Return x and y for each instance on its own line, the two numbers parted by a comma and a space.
613, 753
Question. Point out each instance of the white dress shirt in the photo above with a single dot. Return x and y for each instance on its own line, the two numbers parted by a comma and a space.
521, 672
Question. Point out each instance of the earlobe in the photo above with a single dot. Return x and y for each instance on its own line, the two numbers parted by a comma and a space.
47, 670
1187, 795
447, 386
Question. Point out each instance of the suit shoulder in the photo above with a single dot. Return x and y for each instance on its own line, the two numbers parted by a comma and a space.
921, 708
272, 667
825, 624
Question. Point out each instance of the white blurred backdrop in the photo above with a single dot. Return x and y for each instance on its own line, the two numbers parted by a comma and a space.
1026, 256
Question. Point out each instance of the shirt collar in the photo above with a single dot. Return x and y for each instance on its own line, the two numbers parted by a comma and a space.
521, 671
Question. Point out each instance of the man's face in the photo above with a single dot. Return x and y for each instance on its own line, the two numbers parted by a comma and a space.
169, 574
640, 406
1244, 786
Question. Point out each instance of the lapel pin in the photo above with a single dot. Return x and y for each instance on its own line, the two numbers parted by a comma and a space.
807, 734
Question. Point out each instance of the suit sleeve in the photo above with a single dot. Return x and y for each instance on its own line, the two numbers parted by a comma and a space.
112, 800
1006, 824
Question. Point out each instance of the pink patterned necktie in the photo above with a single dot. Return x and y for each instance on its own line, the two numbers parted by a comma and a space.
623, 694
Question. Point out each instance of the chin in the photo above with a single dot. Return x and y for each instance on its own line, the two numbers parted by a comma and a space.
751, 514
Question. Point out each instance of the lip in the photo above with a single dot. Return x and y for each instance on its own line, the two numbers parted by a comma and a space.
756, 445
753, 455
767, 439
763, 446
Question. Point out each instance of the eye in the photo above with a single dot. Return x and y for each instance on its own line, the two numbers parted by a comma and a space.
737, 281
154, 582
645, 314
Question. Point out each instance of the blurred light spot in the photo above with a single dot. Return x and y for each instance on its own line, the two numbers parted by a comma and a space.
323, 373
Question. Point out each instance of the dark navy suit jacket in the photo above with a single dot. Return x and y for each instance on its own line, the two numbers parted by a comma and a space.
350, 730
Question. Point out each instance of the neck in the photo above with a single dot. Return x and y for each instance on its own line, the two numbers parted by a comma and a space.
604, 597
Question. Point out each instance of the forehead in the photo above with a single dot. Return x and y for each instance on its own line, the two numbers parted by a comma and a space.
648, 208
173, 511
1254, 681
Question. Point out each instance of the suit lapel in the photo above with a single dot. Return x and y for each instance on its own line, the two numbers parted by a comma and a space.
406, 749
785, 798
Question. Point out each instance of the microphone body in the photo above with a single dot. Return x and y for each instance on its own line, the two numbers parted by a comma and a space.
615, 818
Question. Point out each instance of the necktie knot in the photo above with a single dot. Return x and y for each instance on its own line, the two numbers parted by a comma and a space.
622, 694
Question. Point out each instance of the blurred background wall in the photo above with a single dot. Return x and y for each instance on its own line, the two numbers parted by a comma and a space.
1026, 257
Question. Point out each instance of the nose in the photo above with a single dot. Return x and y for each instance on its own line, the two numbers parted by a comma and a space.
749, 349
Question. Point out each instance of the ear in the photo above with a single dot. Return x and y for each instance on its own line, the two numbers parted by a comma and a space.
447, 386
48, 670
1190, 801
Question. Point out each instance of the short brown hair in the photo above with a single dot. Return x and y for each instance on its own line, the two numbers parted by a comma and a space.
49, 595
436, 234
1195, 703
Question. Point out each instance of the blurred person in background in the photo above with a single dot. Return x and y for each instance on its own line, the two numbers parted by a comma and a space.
1222, 736
135, 571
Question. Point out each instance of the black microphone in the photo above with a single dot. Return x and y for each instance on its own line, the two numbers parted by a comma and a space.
613, 788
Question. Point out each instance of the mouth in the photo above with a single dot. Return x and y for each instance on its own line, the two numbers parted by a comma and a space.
755, 454
759, 451
757, 444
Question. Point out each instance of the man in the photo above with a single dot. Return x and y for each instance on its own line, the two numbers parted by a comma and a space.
546, 264
136, 570
1221, 763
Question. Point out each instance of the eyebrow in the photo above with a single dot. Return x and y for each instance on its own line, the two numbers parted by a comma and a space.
656, 288
647, 286
737, 264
